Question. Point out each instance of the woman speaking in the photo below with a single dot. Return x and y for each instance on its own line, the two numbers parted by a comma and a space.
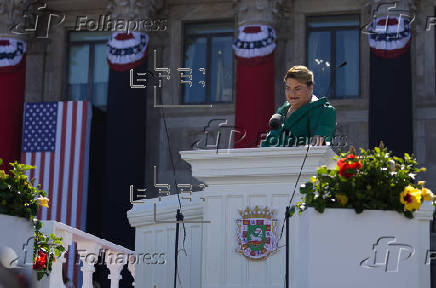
303, 118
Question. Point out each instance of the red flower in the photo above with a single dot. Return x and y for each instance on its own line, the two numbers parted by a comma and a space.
348, 166
40, 261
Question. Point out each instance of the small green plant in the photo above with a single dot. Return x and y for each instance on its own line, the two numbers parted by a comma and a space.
45, 250
375, 180
19, 197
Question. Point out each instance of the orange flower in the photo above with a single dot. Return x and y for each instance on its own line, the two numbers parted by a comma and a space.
40, 261
348, 166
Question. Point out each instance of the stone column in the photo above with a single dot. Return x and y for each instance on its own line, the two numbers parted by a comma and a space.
383, 7
55, 278
256, 12
254, 50
126, 107
390, 37
115, 263
11, 14
134, 9
88, 252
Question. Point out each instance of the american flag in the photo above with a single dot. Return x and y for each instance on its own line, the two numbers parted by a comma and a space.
56, 141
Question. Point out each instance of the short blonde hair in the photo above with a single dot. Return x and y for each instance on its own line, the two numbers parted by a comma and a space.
300, 73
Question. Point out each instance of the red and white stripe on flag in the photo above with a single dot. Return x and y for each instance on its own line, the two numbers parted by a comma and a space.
56, 141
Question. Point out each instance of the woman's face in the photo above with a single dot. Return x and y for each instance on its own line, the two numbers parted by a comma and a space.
298, 94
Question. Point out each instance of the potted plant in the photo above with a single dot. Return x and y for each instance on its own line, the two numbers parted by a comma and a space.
365, 218
46, 249
19, 204
373, 180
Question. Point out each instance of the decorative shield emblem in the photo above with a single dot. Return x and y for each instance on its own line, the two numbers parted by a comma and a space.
257, 233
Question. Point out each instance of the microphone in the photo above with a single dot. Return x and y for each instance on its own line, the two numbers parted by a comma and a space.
275, 122
342, 64
331, 80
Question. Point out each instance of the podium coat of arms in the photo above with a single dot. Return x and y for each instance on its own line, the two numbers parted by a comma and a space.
257, 233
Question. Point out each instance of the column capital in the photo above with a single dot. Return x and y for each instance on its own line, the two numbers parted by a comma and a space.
260, 12
389, 7
12, 13
134, 9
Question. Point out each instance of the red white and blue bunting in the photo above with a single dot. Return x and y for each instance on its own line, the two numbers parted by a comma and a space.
254, 51
126, 50
12, 52
12, 83
254, 41
389, 36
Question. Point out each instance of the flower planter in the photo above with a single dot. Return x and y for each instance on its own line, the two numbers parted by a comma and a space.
331, 248
43, 283
17, 234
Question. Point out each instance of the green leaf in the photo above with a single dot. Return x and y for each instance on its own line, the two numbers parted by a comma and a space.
306, 188
292, 211
408, 214
322, 170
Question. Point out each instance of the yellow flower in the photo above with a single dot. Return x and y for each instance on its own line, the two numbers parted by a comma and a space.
421, 183
411, 198
43, 201
427, 194
313, 179
343, 199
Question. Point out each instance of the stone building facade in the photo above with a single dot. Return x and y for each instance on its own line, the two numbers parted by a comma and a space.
48, 66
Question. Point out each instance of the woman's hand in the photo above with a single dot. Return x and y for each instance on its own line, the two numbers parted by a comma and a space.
317, 140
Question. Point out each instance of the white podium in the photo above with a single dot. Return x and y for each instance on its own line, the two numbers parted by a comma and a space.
326, 250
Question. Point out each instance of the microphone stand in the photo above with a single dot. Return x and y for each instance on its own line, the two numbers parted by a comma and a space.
288, 208
179, 218
179, 215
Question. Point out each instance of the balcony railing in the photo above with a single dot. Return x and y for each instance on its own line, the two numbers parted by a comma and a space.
86, 244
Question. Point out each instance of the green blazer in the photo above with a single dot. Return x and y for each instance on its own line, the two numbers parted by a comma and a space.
314, 118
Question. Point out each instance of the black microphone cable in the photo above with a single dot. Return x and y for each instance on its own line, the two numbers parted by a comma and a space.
305, 156
300, 172
155, 81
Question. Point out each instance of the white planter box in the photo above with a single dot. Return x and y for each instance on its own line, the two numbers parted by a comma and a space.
330, 249
325, 249
17, 234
